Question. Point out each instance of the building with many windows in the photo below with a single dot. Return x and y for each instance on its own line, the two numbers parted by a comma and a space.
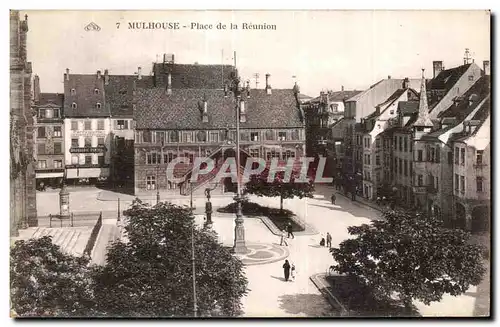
86, 127
49, 137
199, 120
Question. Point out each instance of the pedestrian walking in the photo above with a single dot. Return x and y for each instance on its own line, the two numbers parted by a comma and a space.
283, 238
329, 240
294, 272
290, 230
333, 198
286, 270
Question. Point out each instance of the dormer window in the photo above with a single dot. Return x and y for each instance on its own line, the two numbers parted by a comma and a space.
73, 91
98, 105
73, 105
96, 91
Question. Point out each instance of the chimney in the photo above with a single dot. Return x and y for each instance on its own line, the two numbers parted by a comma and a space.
389, 77
243, 113
438, 67
204, 109
268, 87
248, 88
169, 84
36, 88
98, 74
164, 58
406, 83
225, 91
486, 67
106, 77
66, 76
342, 88
139, 73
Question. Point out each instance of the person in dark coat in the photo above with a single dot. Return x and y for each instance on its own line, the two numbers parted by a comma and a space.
290, 230
333, 198
286, 270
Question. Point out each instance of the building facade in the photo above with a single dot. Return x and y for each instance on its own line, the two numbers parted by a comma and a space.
22, 172
188, 120
49, 136
86, 128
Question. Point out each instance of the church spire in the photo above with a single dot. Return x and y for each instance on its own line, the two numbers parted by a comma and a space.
423, 119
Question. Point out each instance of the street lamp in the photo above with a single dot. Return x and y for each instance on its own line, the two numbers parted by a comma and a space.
157, 185
239, 230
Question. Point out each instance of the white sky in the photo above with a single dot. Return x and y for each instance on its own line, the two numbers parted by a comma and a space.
324, 49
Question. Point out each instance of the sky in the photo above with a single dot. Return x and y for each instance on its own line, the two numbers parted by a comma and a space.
321, 50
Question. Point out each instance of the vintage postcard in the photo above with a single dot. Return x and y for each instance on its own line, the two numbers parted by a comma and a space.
169, 164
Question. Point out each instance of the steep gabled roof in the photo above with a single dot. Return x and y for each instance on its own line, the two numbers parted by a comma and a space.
89, 92
119, 93
407, 108
423, 119
56, 99
186, 76
155, 109
447, 78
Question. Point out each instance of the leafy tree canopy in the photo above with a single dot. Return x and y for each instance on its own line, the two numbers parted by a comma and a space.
411, 255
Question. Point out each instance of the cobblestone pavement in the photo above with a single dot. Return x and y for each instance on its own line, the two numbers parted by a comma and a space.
269, 294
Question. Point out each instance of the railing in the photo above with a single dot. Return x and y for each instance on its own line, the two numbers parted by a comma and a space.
93, 236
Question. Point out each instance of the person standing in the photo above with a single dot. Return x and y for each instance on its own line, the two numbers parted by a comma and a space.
286, 270
333, 198
328, 240
290, 230
283, 238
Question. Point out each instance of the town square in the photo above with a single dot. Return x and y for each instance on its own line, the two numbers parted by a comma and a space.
172, 189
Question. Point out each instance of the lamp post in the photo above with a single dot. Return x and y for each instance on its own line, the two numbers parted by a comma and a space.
239, 230
157, 185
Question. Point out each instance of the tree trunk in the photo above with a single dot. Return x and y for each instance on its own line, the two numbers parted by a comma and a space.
281, 203
408, 306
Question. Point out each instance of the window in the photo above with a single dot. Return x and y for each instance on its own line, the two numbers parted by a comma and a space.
41, 113
400, 144
411, 169
41, 148
57, 163
100, 124
406, 167
159, 137
151, 182
395, 165
254, 136
121, 124
438, 155
98, 105
295, 134
189, 156
471, 77
368, 158
406, 145
462, 156
57, 148
73, 91
479, 184
433, 155
395, 142
377, 143
457, 151
391, 112
100, 160
42, 164
168, 157
146, 136
74, 125
174, 136
377, 160
456, 182
269, 135
450, 158
57, 131
57, 113
420, 155
100, 141
201, 136
288, 154
272, 154
479, 157
96, 91
74, 159
420, 180
73, 105
281, 136
88, 125
74, 143
88, 160
213, 137
153, 158
87, 142
254, 153
400, 170
244, 136
437, 183
187, 137
462, 184
41, 132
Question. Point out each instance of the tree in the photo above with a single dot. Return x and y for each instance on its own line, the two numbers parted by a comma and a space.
411, 255
259, 185
45, 282
151, 274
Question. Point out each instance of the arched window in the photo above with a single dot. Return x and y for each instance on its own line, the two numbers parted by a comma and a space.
96, 91
73, 105
98, 105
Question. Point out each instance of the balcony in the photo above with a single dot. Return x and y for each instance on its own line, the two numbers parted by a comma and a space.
88, 149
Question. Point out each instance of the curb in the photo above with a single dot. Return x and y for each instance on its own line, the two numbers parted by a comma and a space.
334, 302
359, 203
